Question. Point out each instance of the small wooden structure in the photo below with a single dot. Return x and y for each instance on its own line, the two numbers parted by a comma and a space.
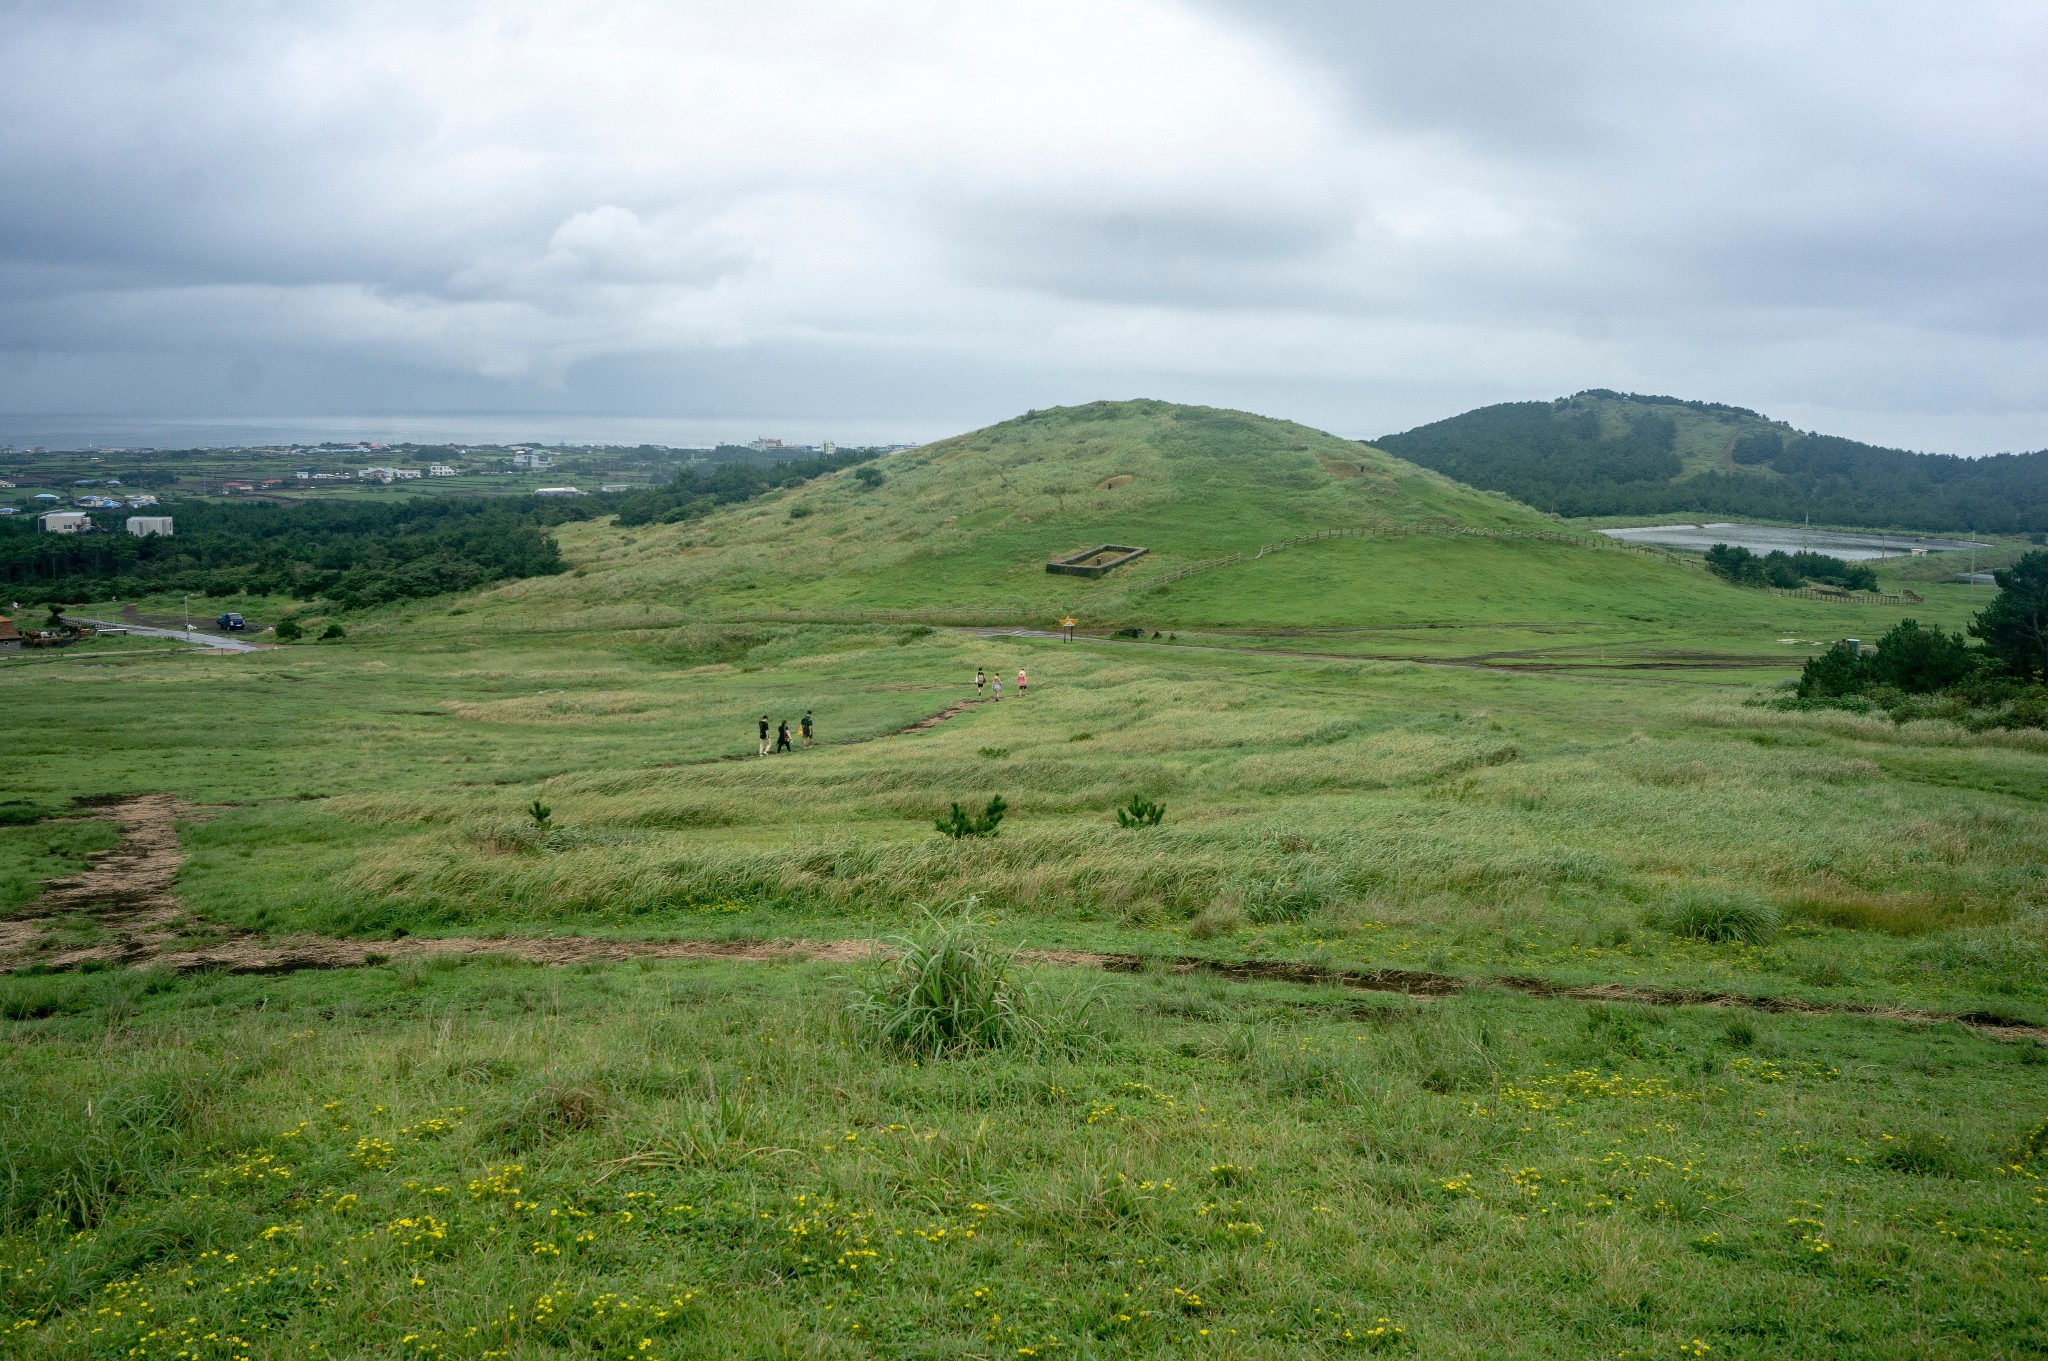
1097, 561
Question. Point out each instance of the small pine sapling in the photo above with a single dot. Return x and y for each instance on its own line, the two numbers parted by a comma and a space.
540, 813
1140, 812
960, 823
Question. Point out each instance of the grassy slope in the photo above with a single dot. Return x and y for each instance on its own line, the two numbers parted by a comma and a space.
975, 518
1433, 1164
1205, 1170
970, 522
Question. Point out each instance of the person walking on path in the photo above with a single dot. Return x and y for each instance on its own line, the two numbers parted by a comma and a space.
999, 687
782, 736
806, 726
1022, 681
764, 734
979, 681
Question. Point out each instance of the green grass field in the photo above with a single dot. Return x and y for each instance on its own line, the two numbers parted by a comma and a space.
1507, 762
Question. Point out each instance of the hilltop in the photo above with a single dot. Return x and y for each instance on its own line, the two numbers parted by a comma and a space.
1610, 453
965, 527
971, 522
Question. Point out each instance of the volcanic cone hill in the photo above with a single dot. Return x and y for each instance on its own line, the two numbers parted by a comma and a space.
969, 523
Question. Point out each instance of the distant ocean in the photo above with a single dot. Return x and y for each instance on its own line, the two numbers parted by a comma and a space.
131, 432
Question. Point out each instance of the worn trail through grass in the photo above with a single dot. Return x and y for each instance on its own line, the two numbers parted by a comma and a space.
126, 892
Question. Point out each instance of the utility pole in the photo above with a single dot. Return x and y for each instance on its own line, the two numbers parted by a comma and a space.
188, 611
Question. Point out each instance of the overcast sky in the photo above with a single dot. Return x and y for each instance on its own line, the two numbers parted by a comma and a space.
1360, 215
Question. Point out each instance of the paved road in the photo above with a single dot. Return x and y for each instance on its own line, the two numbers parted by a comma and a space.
197, 637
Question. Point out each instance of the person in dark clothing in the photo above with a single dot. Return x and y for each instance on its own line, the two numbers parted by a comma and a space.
806, 727
782, 735
764, 734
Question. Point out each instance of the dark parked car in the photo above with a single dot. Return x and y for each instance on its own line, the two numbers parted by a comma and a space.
232, 622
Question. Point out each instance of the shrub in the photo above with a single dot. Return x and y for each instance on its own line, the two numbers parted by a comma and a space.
948, 992
289, 631
1720, 917
1922, 1153
1838, 671
960, 823
540, 813
799, 512
1219, 918
1920, 660
1285, 896
331, 632
1140, 812
868, 476
547, 1116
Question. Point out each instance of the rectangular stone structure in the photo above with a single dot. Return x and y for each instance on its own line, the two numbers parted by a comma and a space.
1097, 561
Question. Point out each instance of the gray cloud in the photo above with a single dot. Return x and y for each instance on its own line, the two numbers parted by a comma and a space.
1361, 216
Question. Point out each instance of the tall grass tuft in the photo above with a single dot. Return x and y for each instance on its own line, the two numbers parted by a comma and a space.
949, 991
1719, 917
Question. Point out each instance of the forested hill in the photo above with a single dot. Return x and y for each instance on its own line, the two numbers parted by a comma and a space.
1611, 453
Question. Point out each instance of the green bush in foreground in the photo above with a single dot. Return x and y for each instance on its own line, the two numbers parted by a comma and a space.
1720, 917
960, 823
949, 991
1140, 812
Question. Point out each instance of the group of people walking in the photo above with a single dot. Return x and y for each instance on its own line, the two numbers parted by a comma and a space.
781, 740
982, 680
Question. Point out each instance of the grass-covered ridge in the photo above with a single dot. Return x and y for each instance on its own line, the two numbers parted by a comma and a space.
974, 519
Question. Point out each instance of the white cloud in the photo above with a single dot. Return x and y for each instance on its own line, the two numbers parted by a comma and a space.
1374, 216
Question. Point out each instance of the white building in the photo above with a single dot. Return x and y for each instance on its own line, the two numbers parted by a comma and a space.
533, 460
557, 491
440, 470
405, 474
64, 522
139, 525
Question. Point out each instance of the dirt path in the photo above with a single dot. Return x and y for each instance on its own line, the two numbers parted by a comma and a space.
123, 899
1574, 670
928, 721
126, 894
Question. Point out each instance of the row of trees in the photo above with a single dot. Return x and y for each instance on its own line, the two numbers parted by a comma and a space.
1787, 570
1915, 660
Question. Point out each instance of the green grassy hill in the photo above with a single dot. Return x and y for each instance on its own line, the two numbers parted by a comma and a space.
1610, 453
974, 519
963, 529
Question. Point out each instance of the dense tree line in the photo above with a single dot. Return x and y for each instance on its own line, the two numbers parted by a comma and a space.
352, 553
1917, 671
359, 553
1787, 570
1603, 453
